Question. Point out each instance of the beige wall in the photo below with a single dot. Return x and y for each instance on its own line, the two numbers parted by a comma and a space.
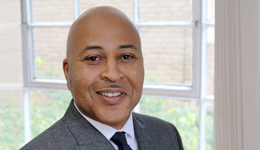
10, 43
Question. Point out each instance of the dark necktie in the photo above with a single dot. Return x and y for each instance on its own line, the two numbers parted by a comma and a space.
119, 139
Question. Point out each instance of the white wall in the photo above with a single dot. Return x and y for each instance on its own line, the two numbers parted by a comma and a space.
250, 44
237, 95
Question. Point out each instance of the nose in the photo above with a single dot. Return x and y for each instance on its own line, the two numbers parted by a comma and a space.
112, 72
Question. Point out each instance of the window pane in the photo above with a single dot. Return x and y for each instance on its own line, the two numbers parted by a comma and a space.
211, 61
50, 50
11, 119
10, 56
46, 108
211, 10
182, 113
167, 55
52, 10
210, 126
174, 10
124, 5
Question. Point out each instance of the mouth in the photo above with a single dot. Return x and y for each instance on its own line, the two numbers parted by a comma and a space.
111, 96
116, 94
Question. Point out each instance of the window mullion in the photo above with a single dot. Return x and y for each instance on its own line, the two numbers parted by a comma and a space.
76, 9
49, 24
198, 74
203, 112
27, 43
136, 12
175, 24
184, 93
196, 55
27, 65
209, 23
27, 116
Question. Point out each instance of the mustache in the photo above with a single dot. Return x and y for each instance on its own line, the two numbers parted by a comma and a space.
112, 86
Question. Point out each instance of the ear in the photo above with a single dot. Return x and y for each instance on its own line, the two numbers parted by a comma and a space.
66, 71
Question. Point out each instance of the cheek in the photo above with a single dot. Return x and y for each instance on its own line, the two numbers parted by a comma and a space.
139, 73
79, 77
80, 72
136, 77
85, 78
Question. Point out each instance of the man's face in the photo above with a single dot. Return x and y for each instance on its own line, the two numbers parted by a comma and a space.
104, 70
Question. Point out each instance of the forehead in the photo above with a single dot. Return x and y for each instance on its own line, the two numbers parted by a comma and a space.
102, 31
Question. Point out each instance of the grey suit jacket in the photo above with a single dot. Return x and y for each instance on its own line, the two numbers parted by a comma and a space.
73, 132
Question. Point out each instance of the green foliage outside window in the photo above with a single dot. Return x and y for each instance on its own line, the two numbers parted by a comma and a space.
11, 121
47, 107
47, 110
184, 115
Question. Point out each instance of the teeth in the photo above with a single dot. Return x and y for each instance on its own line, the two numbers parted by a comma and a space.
111, 94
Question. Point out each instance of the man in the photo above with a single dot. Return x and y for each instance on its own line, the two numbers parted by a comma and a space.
105, 73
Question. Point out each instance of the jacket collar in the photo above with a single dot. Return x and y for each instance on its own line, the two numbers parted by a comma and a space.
87, 136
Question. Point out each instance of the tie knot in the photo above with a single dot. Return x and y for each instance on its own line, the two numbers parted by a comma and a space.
119, 139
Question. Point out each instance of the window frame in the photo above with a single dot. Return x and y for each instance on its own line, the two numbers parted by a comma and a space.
196, 91
171, 91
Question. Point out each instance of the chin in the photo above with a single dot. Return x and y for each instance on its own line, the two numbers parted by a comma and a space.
115, 119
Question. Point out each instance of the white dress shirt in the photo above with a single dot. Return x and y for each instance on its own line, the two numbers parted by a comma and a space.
108, 131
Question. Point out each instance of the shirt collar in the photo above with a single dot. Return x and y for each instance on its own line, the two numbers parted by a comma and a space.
108, 131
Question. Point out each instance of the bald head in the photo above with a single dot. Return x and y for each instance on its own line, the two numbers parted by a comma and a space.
95, 19
104, 56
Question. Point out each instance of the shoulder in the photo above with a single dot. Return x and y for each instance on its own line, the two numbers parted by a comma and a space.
57, 136
152, 121
159, 130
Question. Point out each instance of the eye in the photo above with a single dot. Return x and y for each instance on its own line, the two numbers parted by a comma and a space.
93, 58
127, 57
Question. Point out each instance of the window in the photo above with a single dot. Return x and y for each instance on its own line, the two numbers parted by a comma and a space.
178, 47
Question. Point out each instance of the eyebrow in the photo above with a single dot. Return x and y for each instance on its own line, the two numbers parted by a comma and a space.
127, 46
93, 47
101, 48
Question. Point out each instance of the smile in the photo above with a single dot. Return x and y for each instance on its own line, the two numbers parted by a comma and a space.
109, 94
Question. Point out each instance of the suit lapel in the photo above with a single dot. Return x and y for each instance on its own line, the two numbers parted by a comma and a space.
87, 136
143, 135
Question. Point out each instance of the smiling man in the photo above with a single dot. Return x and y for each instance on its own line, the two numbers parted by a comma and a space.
105, 74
